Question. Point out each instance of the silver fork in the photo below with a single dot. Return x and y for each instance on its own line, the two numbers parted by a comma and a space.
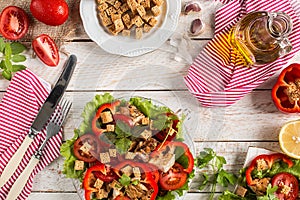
52, 129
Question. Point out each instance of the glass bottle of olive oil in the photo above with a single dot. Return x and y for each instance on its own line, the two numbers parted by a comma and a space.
262, 37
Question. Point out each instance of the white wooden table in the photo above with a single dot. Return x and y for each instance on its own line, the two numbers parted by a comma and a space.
252, 121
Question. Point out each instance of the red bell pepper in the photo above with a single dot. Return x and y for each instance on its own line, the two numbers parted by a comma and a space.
286, 91
111, 106
178, 144
148, 176
270, 160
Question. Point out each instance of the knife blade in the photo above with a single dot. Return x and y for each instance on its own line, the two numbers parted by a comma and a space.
41, 119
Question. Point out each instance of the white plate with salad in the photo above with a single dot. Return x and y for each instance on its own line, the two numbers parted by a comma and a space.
267, 175
129, 148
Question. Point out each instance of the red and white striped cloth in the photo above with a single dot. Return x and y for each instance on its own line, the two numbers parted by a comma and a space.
215, 77
18, 108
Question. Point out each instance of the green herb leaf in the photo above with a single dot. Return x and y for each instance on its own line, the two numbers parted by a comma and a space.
125, 180
17, 48
270, 193
204, 182
18, 58
2, 45
7, 51
135, 182
204, 158
16, 68
227, 195
224, 178
122, 145
6, 74
122, 130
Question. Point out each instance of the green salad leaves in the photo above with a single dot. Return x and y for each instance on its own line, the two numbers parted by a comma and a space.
11, 54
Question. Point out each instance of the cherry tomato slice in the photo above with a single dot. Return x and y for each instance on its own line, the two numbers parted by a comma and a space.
13, 23
45, 48
92, 154
122, 198
173, 179
154, 172
288, 186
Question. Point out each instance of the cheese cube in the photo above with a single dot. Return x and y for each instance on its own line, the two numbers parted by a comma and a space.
136, 171
112, 152
106, 116
86, 147
155, 10
98, 183
79, 165
104, 157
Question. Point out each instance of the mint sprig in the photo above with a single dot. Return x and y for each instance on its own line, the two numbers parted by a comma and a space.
11, 54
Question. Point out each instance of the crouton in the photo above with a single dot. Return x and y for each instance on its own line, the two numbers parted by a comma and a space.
79, 165
155, 10
126, 33
138, 33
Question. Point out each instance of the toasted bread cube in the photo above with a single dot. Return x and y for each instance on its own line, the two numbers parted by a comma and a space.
132, 5
102, 7
145, 120
147, 17
106, 117
100, 1
127, 21
115, 16
111, 29
110, 128
111, 2
126, 33
124, 7
112, 152
119, 26
147, 29
104, 157
130, 155
241, 191
106, 21
115, 185
155, 10
158, 2
79, 165
85, 148
98, 183
138, 33
141, 10
101, 194
152, 22
117, 5
127, 170
146, 134
146, 4
136, 171
137, 20
139, 1
110, 10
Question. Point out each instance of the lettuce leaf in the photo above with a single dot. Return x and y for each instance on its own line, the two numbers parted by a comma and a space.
66, 149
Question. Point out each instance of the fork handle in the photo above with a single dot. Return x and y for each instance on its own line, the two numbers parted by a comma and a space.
14, 161
21, 181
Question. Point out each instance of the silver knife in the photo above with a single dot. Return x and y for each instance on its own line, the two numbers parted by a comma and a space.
41, 119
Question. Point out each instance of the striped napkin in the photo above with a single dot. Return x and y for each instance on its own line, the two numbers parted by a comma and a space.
216, 77
18, 108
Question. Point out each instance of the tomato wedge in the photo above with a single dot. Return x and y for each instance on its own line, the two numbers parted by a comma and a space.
173, 179
13, 23
92, 154
288, 186
45, 48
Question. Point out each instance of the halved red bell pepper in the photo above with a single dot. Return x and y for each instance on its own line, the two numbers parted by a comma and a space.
178, 144
111, 106
101, 171
270, 159
148, 178
286, 91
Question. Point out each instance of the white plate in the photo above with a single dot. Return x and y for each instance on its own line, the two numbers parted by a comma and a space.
129, 46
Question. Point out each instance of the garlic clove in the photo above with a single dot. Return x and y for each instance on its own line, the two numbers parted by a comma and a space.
197, 27
191, 7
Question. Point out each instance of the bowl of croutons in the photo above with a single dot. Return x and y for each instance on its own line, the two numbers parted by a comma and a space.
129, 27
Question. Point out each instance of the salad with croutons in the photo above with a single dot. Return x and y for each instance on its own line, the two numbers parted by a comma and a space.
129, 149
